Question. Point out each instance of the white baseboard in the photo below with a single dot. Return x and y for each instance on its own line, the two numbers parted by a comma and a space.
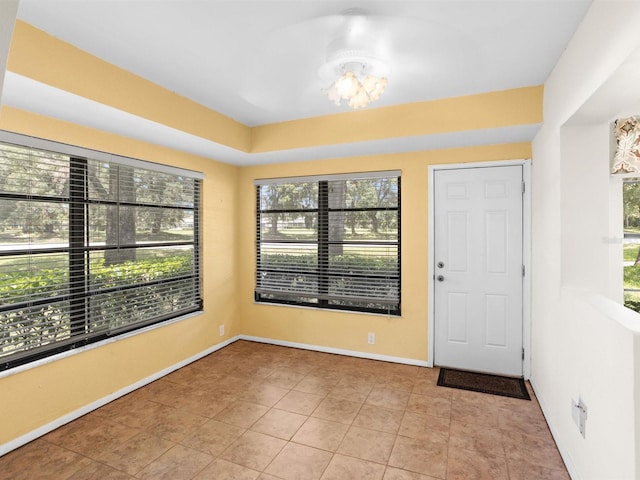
49, 427
338, 351
566, 458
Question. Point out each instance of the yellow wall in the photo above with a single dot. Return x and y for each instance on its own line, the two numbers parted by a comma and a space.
53, 390
404, 336
518, 106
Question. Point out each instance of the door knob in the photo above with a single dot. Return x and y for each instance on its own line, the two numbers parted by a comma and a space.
440, 264
440, 278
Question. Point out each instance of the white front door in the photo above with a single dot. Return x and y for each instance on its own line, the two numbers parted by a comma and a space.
478, 271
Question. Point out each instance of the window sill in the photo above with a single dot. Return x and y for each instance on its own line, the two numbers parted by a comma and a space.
91, 346
326, 310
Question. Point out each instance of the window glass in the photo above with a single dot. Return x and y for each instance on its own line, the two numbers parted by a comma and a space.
330, 243
90, 249
631, 244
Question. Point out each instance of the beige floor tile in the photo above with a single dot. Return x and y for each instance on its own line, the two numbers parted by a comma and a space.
38, 459
367, 444
396, 382
252, 370
141, 415
253, 450
299, 462
426, 455
152, 391
179, 463
129, 410
233, 384
475, 413
379, 418
284, 378
195, 375
477, 438
322, 434
317, 384
466, 465
328, 372
98, 471
401, 370
430, 374
369, 419
92, 436
337, 410
529, 421
263, 394
205, 403
387, 398
279, 423
213, 437
176, 425
137, 452
397, 474
419, 425
172, 394
532, 450
223, 470
469, 396
299, 402
242, 414
428, 405
427, 386
520, 471
342, 468
362, 380
349, 392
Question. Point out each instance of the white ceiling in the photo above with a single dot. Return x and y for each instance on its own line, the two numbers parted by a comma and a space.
257, 61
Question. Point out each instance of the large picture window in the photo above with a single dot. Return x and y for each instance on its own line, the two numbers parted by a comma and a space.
91, 247
330, 242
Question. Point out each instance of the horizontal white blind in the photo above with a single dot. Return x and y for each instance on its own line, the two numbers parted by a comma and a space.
89, 249
74, 151
327, 178
331, 243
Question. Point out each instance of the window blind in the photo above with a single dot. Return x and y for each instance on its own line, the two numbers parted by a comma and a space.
91, 248
332, 242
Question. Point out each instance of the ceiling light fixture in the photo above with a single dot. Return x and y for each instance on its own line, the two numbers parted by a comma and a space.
361, 79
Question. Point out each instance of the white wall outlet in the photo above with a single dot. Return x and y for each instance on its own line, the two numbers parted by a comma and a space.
221, 328
579, 415
371, 338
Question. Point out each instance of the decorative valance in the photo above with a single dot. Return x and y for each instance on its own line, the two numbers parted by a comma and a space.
627, 156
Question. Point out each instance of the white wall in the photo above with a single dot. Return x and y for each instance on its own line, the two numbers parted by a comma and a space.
583, 342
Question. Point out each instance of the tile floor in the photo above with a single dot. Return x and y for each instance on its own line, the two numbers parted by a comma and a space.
255, 411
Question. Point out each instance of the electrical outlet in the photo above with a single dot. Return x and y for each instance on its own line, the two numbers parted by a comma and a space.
221, 328
579, 415
371, 338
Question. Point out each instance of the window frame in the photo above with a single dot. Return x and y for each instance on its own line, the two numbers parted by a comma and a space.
323, 243
76, 291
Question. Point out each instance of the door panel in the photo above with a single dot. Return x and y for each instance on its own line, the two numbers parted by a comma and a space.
478, 274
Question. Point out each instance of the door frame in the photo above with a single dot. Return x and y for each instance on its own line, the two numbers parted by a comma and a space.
526, 254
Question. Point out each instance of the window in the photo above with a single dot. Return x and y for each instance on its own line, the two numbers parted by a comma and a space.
330, 242
91, 246
631, 243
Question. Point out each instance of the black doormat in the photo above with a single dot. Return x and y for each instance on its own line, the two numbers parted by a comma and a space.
483, 382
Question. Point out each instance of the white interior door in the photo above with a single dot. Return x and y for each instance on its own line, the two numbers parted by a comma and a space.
478, 271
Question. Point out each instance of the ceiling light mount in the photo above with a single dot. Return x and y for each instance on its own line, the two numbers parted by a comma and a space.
355, 77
